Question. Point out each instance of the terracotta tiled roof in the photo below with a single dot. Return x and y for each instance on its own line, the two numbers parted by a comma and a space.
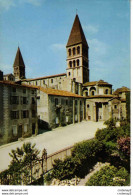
56, 92
92, 83
51, 76
7, 74
122, 89
19, 59
77, 34
15, 84
100, 96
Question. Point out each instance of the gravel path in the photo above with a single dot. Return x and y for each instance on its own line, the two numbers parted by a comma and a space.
96, 168
54, 140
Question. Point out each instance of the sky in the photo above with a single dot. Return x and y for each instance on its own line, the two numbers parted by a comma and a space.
41, 29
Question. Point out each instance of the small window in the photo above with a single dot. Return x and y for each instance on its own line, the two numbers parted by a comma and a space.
69, 74
51, 80
74, 63
106, 91
36, 82
24, 100
13, 89
86, 93
93, 93
33, 100
74, 51
80, 103
115, 106
43, 81
78, 50
78, 62
70, 64
56, 101
88, 105
69, 52
24, 90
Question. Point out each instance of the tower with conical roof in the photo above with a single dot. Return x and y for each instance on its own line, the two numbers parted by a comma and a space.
77, 54
19, 66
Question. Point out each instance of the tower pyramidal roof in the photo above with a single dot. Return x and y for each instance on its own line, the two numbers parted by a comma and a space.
77, 34
19, 59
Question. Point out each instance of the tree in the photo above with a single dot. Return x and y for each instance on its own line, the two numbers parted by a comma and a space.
21, 164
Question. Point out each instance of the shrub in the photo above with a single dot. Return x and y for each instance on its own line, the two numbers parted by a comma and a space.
64, 169
111, 123
124, 147
108, 176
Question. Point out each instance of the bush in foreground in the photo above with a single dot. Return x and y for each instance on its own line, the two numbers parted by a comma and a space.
109, 176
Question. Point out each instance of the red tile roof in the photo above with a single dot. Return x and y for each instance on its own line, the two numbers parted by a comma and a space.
122, 89
56, 92
100, 82
51, 76
12, 83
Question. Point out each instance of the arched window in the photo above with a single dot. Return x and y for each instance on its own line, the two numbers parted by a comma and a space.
93, 93
78, 50
106, 91
70, 64
74, 63
74, 51
78, 62
69, 52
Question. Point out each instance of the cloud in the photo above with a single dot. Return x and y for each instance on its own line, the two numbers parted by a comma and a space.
7, 4
97, 47
5, 68
58, 46
91, 29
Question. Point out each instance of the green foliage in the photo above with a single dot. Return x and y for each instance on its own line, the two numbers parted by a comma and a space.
111, 123
110, 147
21, 164
112, 134
108, 176
87, 149
64, 169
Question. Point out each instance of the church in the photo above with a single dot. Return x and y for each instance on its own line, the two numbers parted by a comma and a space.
71, 97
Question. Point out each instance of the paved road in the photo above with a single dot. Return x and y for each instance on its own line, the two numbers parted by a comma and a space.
54, 140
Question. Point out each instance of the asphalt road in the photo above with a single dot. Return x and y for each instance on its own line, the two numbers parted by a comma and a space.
54, 140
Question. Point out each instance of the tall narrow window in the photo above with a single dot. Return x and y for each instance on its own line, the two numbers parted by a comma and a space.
69, 52
78, 50
74, 63
70, 64
74, 51
78, 62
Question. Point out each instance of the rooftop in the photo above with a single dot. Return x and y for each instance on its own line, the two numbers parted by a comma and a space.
122, 89
56, 92
46, 77
77, 34
100, 82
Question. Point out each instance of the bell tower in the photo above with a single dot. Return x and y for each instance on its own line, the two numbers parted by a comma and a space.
19, 66
77, 54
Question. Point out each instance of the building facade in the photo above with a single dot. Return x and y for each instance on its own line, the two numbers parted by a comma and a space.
18, 111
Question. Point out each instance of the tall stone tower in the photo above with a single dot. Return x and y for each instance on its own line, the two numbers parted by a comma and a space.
77, 54
19, 66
